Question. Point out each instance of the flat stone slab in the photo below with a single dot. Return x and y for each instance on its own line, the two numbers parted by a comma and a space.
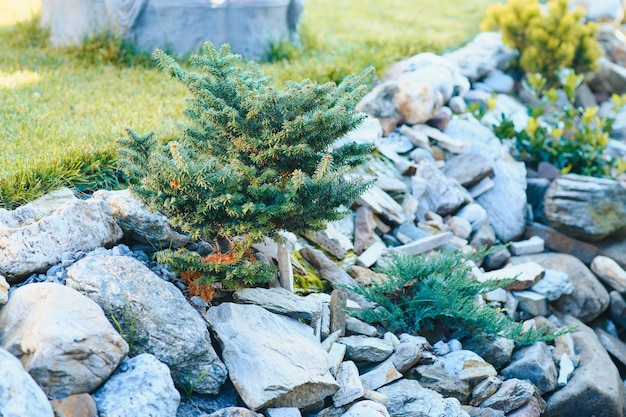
283, 366
527, 275
279, 301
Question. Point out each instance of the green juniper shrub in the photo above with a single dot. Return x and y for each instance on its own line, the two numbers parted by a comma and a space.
570, 137
421, 292
548, 38
254, 160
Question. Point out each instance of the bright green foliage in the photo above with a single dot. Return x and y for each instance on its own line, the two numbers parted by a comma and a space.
571, 138
547, 40
255, 159
423, 291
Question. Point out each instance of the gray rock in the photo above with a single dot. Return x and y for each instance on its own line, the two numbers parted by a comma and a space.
272, 373
356, 326
496, 260
235, 412
381, 375
618, 308
482, 412
4, 290
438, 379
76, 226
531, 302
535, 364
405, 356
382, 204
483, 54
485, 389
475, 214
609, 272
283, 412
350, 386
62, 338
535, 244
495, 350
514, 394
142, 386
409, 398
139, 223
279, 301
125, 288
526, 275
594, 386
499, 82
364, 226
586, 207
554, 285
444, 195
602, 10
366, 408
532, 409
505, 203
467, 365
614, 346
372, 254
338, 304
368, 349
336, 354
468, 168
407, 233
589, 298
332, 241
19, 394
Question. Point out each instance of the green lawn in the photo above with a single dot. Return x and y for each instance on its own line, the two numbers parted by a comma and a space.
60, 113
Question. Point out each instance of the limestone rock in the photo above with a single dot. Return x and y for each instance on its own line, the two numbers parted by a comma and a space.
531, 302
405, 355
4, 290
610, 273
350, 386
79, 405
595, 387
125, 288
284, 365
279, 301
526, 275
589, 298
444, 195
366, 408
381, 375
618, 308
562, 243
554, 285
495, 350
436, 378
533, 363
62, 338
586, 207
139, 223
382, 204
505, 203
235, 412
409, 398
331, 240
368, 349
364, 226
142, 386
611, 11
514, 394
483, 54
76, 226
614, 346
499, 82
19, 394
482, 412
485, 389
283, 412
613, 42
467, 365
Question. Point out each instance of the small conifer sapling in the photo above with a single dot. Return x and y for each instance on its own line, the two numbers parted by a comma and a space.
253, 160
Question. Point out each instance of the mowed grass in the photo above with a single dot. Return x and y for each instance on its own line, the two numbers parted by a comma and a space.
61, 111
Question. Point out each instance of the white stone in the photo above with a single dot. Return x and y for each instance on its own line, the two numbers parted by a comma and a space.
4, 290
20, 396
566, 369
371, 254
280, 301
284, 364
525, 274
335, 357
76, 226
532, 302
355, 325
142, 386
609, 272
425, 244
62, 338
381, 375
331, 240
527, 247
366, 408
368, 349
554, 284
482, 55
499, 82
408, 398
350, 386
283, 412
125, 288
381, 203
611, 11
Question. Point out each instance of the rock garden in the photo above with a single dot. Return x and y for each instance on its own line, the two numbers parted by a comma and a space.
448, 243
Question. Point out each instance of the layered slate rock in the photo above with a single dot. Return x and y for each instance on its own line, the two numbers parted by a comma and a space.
443, 195
535, 364
595, 387
19, 394
505, 203
143, 304
142, 386
280, 301
76, 226
408, 398
586, 207
62, 338
589, 298
139, 223
283, 366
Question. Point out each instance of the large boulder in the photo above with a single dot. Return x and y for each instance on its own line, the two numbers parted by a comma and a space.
19, 394
142, 304
483, 54
408, 398
139, 223
62, 338
142, 386
595, 387
610, 78
77, 225
272, 360
588, 208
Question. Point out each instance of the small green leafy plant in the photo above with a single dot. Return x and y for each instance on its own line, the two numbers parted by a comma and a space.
126, 326
570, 137
253, 161
421, 292
548, 38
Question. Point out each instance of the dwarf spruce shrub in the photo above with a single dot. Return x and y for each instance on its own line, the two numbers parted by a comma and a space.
253, 160
548, 37
421, 292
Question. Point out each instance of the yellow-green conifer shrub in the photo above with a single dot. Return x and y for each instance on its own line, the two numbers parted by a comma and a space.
548, 38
